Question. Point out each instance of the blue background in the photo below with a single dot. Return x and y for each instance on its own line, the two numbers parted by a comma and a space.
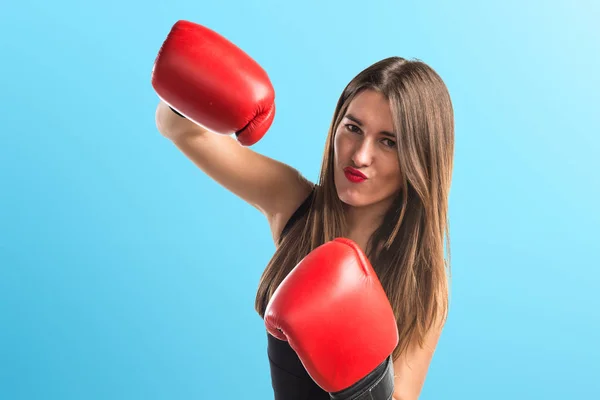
125, 273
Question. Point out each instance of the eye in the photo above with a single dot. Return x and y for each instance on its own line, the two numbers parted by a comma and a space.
352, 128
389, 142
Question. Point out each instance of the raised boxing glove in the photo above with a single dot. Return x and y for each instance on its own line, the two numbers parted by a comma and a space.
211, 81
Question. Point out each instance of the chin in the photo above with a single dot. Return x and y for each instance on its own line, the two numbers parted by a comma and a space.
354, 199
362, 195
351, 195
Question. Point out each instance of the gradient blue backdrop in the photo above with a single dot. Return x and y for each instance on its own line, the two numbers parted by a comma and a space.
125, 273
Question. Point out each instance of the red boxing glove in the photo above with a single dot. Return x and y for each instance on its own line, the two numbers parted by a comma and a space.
334, 313
212, 82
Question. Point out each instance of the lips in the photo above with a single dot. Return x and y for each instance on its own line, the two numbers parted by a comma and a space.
354, 175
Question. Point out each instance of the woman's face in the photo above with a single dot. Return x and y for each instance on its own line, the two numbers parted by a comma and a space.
367, 169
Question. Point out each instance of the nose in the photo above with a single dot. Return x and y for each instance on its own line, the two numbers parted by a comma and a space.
363, 153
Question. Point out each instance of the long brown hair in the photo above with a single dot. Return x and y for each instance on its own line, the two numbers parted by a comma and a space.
407, 250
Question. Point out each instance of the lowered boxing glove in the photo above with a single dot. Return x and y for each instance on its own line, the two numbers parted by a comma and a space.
211, 81
334, 313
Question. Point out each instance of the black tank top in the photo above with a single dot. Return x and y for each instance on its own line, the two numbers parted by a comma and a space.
289, 378
299, 213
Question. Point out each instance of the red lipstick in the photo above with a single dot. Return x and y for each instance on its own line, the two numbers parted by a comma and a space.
354, 175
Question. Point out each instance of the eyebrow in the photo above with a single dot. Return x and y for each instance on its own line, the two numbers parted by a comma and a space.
359, 123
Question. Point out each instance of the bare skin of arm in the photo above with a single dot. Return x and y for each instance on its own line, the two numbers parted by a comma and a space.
272, 187
410, 369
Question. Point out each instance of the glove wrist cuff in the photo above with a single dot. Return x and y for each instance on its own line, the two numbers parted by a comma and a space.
378, 385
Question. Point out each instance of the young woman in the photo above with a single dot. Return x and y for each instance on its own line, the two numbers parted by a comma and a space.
384, 184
